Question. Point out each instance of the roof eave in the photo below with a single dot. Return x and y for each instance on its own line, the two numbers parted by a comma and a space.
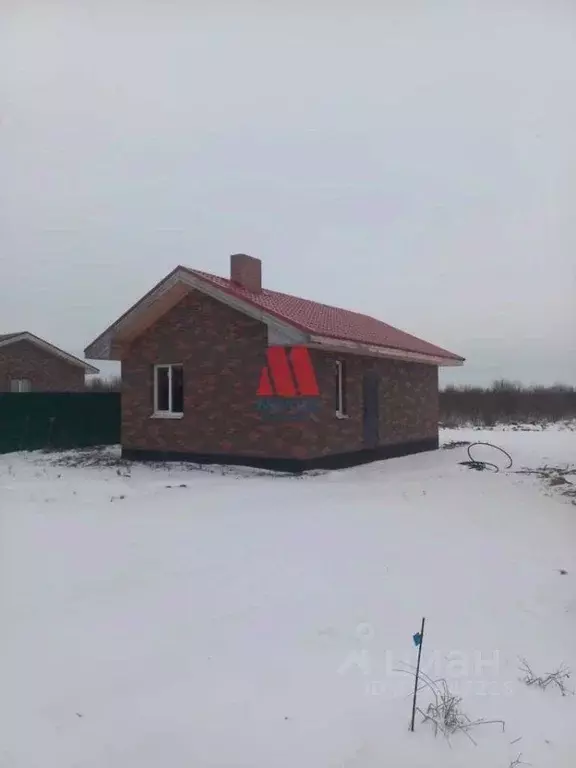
372, 350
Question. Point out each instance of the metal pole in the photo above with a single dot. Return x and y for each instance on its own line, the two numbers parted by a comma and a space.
417, 674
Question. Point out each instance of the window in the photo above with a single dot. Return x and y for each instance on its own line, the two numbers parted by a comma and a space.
341, 405
20, 385
168, 391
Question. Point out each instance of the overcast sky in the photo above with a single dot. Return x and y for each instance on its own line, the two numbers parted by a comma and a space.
411, 160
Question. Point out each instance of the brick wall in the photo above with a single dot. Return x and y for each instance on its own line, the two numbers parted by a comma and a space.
47, 373
408, 402
223, 352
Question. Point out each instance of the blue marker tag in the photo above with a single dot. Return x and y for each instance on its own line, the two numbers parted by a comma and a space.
417, 639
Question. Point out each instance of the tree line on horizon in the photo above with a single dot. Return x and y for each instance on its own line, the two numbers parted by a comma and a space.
506, 402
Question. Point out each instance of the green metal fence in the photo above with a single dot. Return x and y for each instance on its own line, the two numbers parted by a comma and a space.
33, 420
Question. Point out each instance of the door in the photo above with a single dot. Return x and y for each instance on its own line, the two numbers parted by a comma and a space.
370, 387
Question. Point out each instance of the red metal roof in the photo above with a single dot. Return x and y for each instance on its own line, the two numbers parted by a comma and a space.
324, 320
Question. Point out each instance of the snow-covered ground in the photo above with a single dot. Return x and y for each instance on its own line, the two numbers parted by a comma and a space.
219, 619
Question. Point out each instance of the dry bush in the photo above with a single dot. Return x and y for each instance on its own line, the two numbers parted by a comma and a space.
557, 678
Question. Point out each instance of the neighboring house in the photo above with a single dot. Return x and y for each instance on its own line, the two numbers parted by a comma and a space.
223, 370
30, 364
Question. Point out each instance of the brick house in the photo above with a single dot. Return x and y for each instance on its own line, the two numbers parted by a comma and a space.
223, 370
30, 364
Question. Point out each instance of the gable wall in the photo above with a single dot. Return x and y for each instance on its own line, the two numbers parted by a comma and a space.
47, 372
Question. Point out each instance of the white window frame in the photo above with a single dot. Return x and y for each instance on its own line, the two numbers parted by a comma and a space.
22, 385
169, 414
340, 387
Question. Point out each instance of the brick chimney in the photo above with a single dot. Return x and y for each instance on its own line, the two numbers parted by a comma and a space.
246, 271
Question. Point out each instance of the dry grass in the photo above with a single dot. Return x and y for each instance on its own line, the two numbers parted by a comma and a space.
445, 712
558, 678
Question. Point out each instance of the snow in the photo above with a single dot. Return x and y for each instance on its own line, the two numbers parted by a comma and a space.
235, 619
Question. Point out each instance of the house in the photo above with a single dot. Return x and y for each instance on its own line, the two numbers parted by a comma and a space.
223, 370
30, 364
